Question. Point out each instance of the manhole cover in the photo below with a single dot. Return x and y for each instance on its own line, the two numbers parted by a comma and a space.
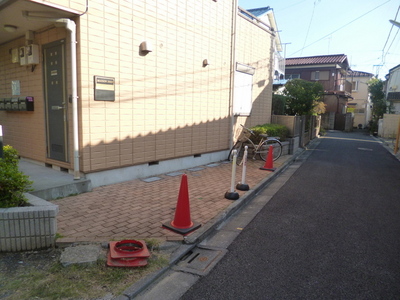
200, 261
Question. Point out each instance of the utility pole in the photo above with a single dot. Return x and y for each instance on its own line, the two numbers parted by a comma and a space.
397, 24
396, 147
377, 69
284, 51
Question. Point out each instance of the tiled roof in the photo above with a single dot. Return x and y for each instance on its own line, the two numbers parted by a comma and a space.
258, 11
359, 74
316, 60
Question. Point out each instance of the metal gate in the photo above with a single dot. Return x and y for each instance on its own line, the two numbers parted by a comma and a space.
340, 122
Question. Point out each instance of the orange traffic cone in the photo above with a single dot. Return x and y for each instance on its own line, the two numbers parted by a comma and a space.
182, 223
269, 163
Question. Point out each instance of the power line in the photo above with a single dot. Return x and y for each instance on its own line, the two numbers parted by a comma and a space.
309, 26
383, 50
341, 27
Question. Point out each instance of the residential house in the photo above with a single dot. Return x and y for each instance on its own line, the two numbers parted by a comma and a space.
360, 106
117, 90
332, 72
266, 15
393, 89
390, 124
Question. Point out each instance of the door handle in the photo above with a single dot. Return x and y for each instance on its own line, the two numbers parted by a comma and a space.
56, 107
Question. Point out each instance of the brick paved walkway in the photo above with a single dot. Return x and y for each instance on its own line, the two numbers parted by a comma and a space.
136, 209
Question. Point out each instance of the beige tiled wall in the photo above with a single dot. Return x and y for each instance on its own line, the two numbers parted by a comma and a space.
25, 131
167, 104
254, 48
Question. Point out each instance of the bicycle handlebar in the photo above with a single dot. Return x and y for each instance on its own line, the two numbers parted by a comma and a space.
248, 129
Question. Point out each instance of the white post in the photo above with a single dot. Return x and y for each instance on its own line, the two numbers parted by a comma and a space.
243, 186
233, 171
244, 165
231, 194
1, 141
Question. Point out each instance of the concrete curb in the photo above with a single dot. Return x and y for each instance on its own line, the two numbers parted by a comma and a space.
203, 232
385, 144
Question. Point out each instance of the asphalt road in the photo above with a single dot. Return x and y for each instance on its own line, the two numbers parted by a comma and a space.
331, 232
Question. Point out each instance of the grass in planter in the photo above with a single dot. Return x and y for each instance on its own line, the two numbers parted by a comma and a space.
50, 280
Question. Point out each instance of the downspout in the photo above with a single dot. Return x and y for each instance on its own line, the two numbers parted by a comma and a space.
233, 69
71, 27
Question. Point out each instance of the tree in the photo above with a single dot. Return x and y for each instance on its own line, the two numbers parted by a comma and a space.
278, 104
379, 106
303, 97
375, 88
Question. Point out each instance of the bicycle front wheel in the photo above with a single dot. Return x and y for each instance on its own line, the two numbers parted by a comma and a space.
276, 148
239, 149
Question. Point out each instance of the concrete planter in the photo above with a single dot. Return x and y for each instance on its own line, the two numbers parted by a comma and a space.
285, 148
294, 143
30, 227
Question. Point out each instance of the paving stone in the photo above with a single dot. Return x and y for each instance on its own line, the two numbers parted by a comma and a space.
138, 208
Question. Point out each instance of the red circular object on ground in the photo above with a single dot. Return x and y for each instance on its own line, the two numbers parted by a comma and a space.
128, 246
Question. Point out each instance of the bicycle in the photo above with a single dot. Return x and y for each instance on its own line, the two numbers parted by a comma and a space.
261, 149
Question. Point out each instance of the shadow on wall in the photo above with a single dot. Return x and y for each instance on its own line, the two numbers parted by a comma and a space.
191, 140
162, 145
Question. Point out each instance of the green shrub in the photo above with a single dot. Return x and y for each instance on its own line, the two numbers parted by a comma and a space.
273, 130
10, 155
13, 183
278, 104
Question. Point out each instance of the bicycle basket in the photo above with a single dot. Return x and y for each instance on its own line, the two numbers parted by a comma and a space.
244, 135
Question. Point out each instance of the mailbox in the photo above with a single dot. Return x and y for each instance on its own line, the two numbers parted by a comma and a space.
17, 104
25, 103
7, 103
14, 104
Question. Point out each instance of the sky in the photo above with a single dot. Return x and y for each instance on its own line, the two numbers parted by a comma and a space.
359, 29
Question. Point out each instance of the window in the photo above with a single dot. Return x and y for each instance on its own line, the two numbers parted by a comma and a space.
354, 86
242, 102
292, 76
320, 75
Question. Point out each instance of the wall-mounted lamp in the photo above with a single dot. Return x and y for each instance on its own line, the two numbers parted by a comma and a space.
146, 47
206, 62
10, 28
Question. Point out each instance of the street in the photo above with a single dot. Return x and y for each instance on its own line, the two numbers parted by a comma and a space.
331, 232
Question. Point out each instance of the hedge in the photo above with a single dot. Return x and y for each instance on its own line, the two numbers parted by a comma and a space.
273, 130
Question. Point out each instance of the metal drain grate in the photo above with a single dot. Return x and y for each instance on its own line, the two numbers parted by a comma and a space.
200, 261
